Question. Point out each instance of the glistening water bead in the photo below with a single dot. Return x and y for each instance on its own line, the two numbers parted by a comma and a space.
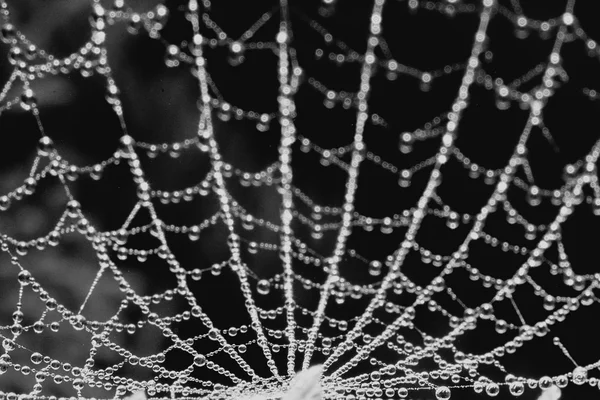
36, 358
492, 389
263, 286
580, 376
28, 99
442, 393
199, 360
375, 268
516, 388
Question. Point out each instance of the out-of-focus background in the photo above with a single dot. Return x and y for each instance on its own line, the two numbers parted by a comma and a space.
159, 105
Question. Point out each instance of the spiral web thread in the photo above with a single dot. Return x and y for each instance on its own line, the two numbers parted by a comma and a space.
353, 366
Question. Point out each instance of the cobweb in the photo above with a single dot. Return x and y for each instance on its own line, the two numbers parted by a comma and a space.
404, 192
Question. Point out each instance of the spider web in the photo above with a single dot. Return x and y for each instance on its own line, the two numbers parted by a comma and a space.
415, 230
